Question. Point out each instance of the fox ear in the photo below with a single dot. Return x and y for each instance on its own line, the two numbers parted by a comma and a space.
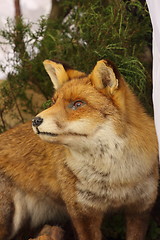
56, 72
105, 75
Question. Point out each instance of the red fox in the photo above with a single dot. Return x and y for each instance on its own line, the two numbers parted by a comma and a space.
97, 152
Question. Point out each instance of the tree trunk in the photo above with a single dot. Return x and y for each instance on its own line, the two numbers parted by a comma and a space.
17, 8
58, 11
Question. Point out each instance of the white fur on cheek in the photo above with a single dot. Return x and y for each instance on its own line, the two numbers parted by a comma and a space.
81, 126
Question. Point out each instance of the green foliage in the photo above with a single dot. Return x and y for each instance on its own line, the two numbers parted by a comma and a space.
93, 30
154, 231
47, 104
113, 227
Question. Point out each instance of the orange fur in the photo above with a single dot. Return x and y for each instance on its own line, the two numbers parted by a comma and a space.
99, 152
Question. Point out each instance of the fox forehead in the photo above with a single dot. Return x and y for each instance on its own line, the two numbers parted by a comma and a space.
79, 89
72, 89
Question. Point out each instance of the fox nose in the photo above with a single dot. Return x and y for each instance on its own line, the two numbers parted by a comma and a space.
36, 122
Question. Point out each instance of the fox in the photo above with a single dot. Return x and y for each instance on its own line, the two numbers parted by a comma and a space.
93, 151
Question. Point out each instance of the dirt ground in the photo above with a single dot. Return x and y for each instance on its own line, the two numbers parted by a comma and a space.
12, 118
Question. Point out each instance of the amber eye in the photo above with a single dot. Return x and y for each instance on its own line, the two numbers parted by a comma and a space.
76, 104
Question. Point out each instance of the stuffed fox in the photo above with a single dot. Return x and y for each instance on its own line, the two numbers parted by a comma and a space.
94, 150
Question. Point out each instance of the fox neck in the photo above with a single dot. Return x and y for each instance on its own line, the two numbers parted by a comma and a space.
100, 150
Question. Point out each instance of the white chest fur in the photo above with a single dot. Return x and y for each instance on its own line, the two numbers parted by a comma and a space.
105, 175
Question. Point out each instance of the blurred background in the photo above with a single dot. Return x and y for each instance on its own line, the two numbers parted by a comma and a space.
31, 10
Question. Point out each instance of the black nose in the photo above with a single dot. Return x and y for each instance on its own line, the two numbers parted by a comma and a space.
37, 121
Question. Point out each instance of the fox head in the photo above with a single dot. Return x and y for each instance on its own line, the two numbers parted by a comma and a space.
84, 106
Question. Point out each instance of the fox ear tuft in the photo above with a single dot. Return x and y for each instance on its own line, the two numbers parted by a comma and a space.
56, 72
105, 75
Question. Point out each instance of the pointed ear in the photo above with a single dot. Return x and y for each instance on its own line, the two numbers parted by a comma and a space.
105, 75
56, 72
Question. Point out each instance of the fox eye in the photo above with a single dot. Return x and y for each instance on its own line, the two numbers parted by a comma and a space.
76, 104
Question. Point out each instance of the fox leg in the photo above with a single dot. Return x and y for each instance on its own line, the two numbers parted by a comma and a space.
6, 216
87, 226
86, 221
137, 224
